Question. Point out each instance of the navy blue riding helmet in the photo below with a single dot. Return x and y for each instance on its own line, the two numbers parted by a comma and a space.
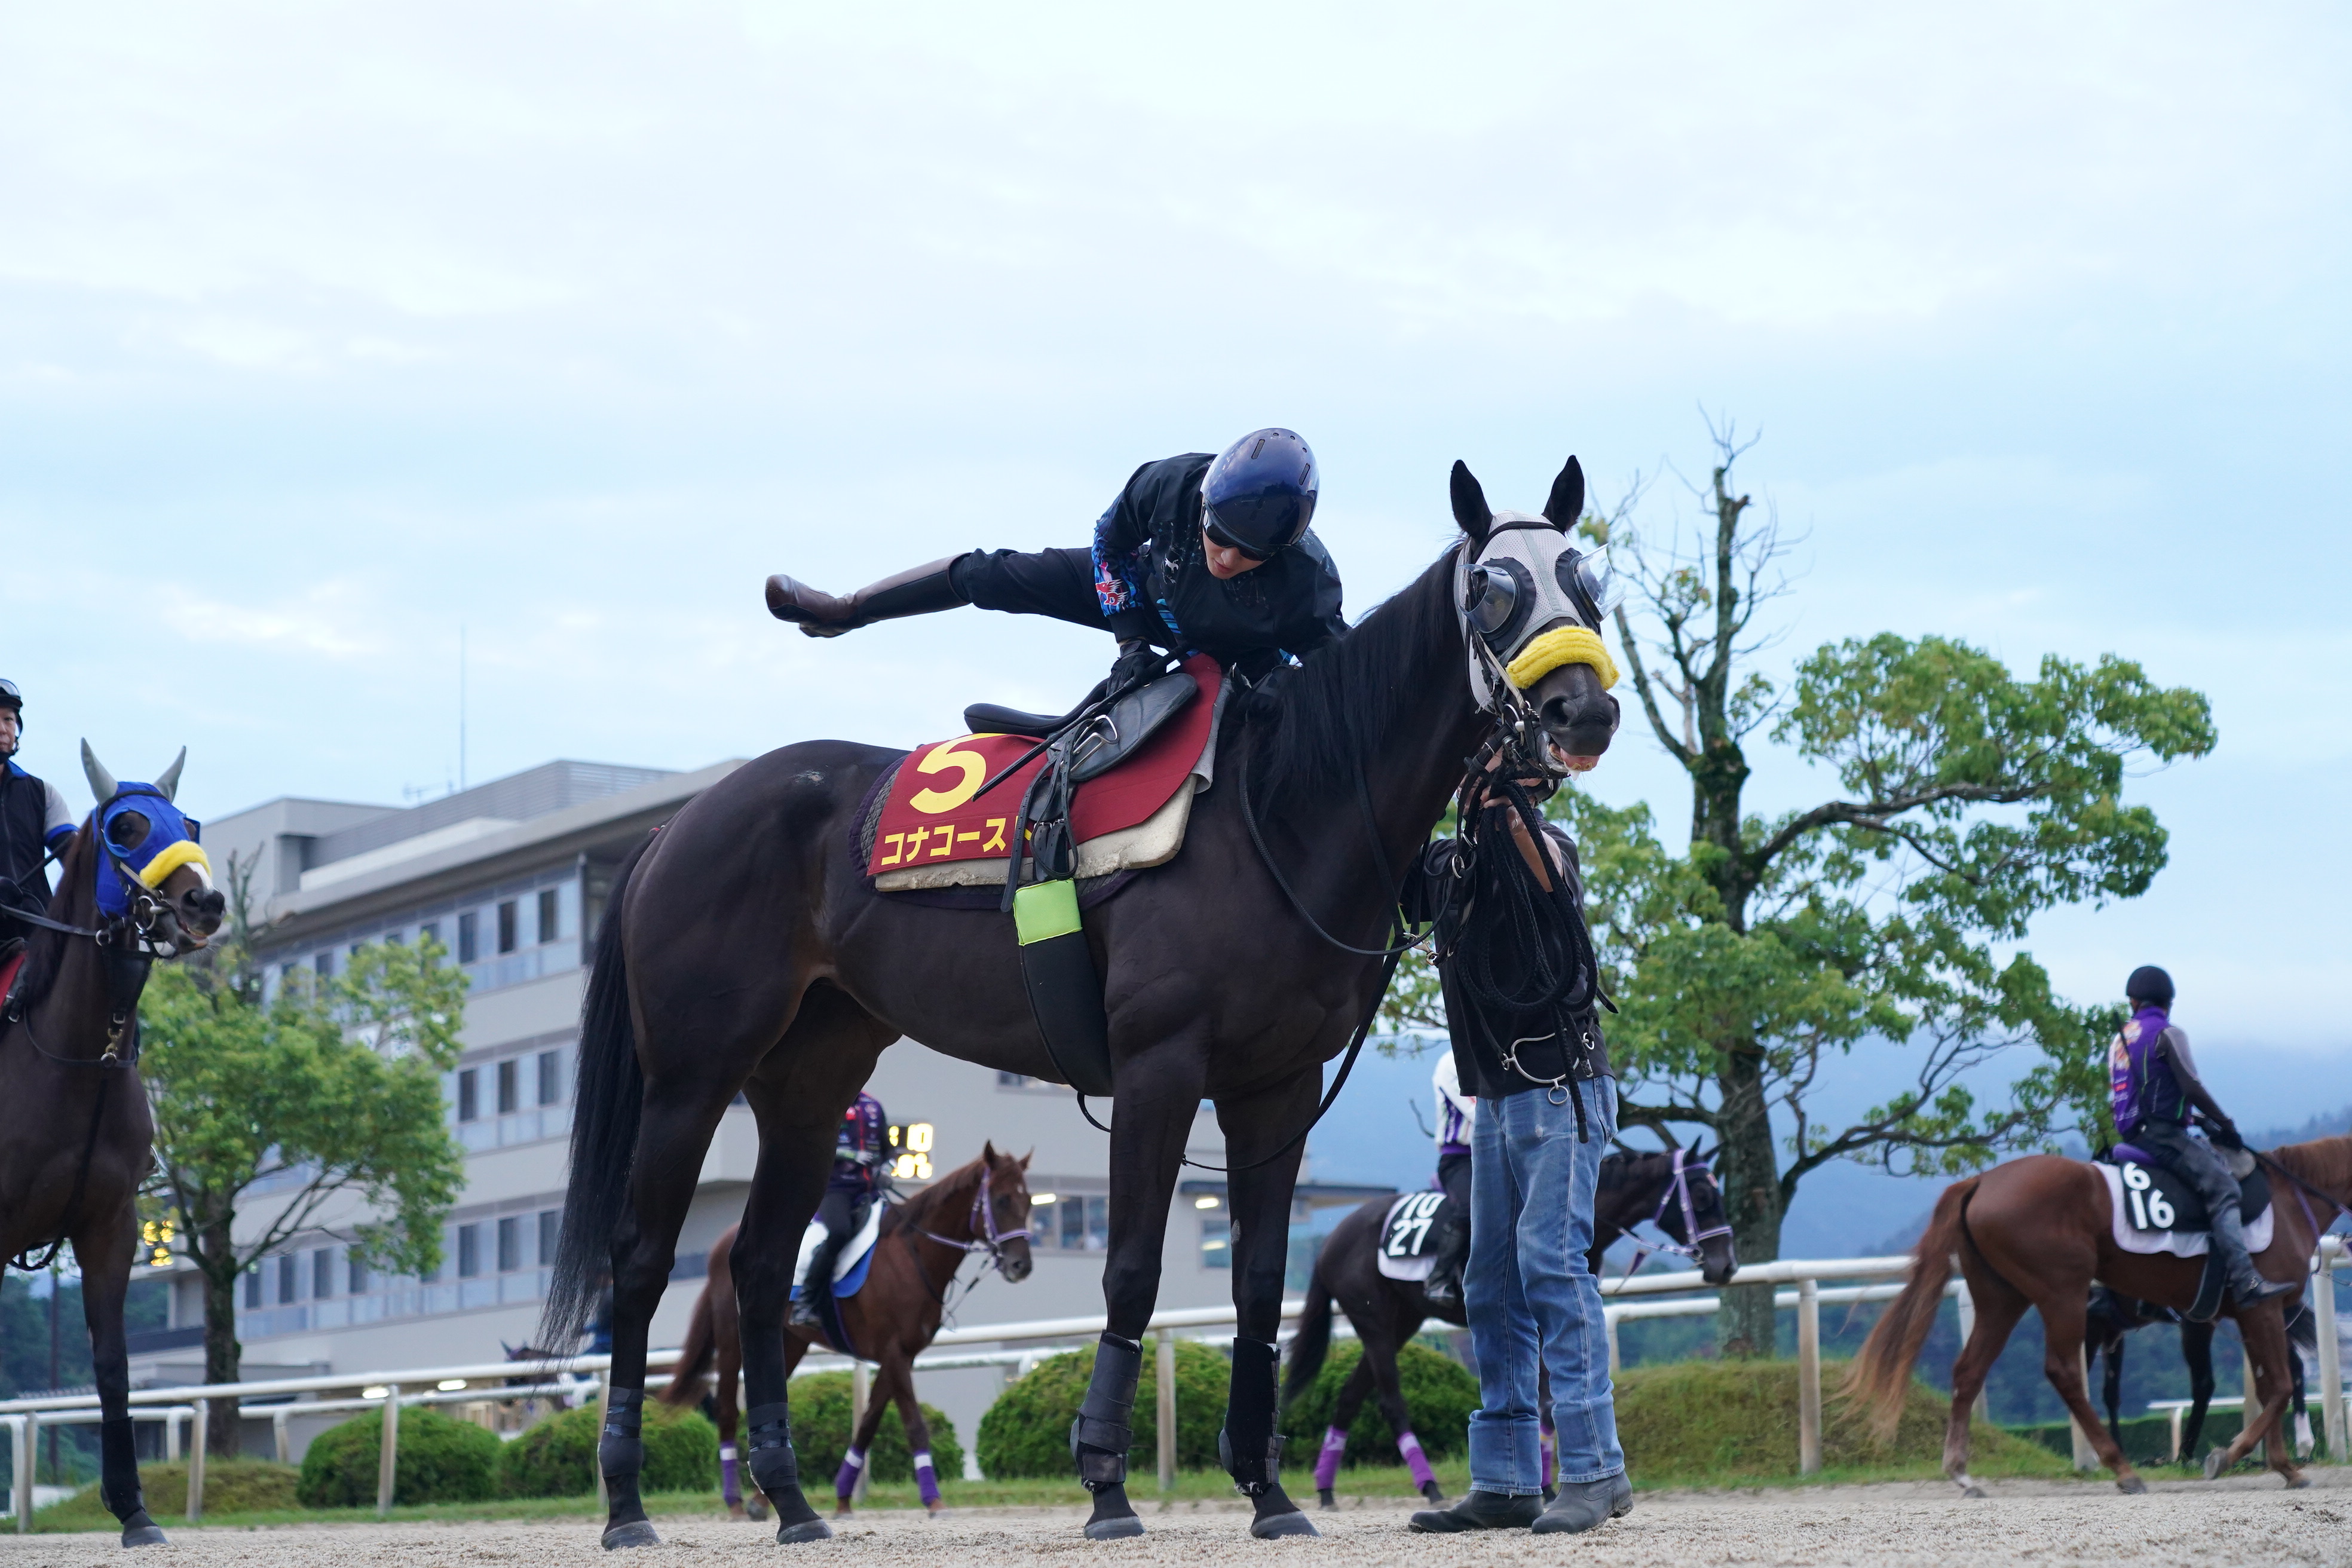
1259, 495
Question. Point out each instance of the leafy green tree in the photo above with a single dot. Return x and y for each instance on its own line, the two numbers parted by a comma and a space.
1885, 918
331, 1091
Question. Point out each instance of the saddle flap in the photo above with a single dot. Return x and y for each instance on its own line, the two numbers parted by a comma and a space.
849, 1263
1108, 739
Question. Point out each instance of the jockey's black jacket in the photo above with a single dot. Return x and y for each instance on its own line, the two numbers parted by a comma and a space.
24, 823
1289, 602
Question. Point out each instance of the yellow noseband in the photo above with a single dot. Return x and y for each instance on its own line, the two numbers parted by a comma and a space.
1562, 644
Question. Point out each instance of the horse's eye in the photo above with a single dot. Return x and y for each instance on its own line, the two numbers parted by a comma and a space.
128, 828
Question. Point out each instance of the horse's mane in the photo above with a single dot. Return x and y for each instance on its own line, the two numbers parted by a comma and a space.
1332, 715
960, 1183
2324, 1162
75, 903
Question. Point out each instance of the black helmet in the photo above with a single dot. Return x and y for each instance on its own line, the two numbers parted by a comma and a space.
12, 698
2149, 984
1259, 495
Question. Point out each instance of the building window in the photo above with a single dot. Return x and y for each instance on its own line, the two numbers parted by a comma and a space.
429, 934
1084, 1222
550, 1077
325, 965
253, 1287
551, 1227
355, 1274
470, 1094
470, 936
549, 918
507, 926
287, 1278
509, 1244
322, 1273
469, 1251
510, 1085
1216, 1241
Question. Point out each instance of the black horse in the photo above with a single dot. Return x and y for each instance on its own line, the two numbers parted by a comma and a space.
745, 951
2111, 1317
80, 1139
1678, 1192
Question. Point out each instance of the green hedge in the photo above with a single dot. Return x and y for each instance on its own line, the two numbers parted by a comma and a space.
557, 1458
1027, 1431
1708, 1421
231, 1486
1439, 1393
441, 1459
821, 1436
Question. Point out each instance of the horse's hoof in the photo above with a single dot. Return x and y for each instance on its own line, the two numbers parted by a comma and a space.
636, 1532
1323, 1498
1276, 1524
841, 1509
2296, 1481
756, 1510
152, 1534
806, 1530
1433, 1495
2214, 1463
735, 1510
1118, 1528
2130, 1485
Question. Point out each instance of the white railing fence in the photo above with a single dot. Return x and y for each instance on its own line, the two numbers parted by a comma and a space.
573, 1379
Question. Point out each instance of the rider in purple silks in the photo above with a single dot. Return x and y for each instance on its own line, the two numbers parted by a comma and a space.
2155, 1086
859, 1152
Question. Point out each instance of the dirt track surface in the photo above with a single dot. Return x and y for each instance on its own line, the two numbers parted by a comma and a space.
2250, 1522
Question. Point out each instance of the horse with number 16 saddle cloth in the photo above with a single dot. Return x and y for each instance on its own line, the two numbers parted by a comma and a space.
2156, 1211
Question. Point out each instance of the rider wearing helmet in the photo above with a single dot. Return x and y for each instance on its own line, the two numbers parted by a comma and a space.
34, 821
1455, 1112
2155, 1086
859, 1151
1197, 554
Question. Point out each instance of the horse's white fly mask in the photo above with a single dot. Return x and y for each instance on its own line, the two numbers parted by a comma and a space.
1533, 602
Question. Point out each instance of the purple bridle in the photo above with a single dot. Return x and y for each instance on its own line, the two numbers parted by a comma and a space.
1679, 1188
986, 1238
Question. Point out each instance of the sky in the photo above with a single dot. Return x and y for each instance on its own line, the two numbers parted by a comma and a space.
332, 335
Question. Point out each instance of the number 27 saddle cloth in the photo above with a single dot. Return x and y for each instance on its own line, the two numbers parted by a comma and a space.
927, 824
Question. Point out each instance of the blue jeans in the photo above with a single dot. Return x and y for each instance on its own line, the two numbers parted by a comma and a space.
1529, 1293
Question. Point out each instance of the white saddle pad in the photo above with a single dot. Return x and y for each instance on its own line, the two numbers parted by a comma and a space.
2179, 1243
1405, 1251
859, 1245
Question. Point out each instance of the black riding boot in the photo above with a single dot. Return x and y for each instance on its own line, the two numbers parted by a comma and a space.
2247, 1287
806, 1312
919, 591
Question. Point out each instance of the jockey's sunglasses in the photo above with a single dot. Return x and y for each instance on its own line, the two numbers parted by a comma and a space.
1219, 537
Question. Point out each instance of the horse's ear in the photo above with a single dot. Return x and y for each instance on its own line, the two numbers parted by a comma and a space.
1470, 508
1567, 502
1026, 1158
988, 1151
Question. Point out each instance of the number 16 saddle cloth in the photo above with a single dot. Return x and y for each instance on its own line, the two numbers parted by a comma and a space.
2155, 1211
927, 826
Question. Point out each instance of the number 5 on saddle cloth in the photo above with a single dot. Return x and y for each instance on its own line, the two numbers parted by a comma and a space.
1102, 791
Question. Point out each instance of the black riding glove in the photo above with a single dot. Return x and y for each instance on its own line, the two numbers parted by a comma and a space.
1138, 664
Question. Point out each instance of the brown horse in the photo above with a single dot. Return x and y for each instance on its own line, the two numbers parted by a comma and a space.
2036, 1233
980, 1207
77, 1137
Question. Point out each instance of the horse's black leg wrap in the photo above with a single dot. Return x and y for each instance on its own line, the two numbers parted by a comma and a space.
777, 1472
1101, 1435
621, 1453
1247, 1444
119, 1481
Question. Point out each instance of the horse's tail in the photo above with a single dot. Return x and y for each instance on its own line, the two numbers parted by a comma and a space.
1880, 1377
694, 1357
606, 1101
1313, 1341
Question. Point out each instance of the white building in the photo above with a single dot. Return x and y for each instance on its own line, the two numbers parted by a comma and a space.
511, 878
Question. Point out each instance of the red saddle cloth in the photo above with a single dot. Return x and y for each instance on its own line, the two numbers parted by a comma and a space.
932, 817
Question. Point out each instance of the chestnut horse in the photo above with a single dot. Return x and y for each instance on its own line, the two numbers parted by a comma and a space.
2037, 1232
983, 1207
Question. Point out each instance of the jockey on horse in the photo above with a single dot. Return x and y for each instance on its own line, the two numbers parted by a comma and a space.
2155, 1085
1456, 1111
1197, 553
859, 1156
